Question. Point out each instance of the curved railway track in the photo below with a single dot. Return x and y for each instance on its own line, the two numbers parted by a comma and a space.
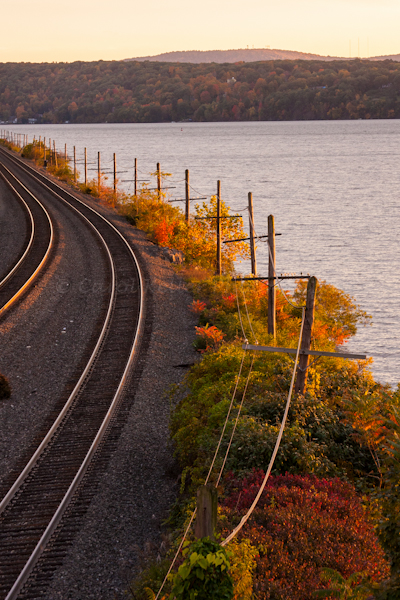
36, 252
50, 487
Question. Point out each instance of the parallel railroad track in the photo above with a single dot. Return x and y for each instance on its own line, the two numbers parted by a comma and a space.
37, 248
39, 510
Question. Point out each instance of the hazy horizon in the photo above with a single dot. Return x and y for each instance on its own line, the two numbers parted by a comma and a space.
92, 31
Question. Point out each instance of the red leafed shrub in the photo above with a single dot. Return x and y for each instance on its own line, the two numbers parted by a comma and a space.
229, 301
209, 338
300, 525
163, 232
198, 306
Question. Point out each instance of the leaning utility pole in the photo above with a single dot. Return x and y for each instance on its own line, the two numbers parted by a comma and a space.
301, 380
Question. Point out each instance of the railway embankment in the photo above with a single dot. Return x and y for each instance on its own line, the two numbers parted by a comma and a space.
138, 486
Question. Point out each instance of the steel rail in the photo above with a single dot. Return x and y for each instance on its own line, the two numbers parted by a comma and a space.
28, 282
35, 457
24, 575
32, 226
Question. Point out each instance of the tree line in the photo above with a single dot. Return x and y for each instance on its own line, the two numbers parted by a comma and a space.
141, 92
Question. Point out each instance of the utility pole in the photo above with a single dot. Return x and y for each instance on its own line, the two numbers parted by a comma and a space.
98, 173
252, 233
44, 153
115, 176
206, 515
219, 265
65, 154
74, 164
85, 167
158, 181
135, 177
187, 196
301, 379
55, 154
271, 277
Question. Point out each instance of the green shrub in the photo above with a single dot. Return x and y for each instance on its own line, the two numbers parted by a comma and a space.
204, 574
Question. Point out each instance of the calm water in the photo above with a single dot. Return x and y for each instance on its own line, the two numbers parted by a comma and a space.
333, 187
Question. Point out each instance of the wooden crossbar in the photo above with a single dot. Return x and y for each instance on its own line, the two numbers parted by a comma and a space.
309, 352
248, 238
271, 278
230, 217
185, 199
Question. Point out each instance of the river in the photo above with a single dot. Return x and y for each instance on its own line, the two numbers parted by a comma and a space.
333, 187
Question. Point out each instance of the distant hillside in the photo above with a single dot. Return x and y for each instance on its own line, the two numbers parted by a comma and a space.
395, 57
153, 92
231, 56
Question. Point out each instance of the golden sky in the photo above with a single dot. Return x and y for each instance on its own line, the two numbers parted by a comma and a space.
47, 31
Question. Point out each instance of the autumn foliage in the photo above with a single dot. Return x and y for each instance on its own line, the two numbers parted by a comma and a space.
138, 92
300, 525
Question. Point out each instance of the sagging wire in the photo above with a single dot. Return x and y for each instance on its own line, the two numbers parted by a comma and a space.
236, 422
248, 316
277, 444
240, 314
226, 420
208, 476
177, 553
197, 191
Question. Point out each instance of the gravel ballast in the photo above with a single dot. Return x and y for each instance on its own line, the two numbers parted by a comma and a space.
45, 337
139, 483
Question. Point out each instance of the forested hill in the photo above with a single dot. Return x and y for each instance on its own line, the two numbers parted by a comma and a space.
120, 91
231, 56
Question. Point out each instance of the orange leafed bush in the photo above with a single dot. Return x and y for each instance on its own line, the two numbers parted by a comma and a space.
197, 306
163, 232
211, 337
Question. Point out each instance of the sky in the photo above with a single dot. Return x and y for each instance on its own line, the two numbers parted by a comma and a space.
48, 31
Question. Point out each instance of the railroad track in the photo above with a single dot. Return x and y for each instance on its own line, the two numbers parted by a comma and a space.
42, 511
37, 249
